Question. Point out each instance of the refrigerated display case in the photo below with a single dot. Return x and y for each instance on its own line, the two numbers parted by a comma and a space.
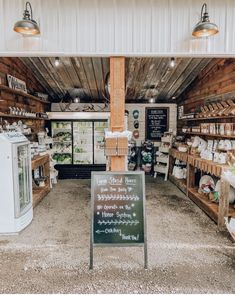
99, 141
16, 183
83, 143
87, 146
62, 142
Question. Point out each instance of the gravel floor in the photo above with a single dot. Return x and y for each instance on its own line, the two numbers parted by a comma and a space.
186, 253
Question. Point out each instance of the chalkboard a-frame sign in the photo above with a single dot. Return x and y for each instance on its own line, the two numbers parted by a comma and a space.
118, 211
156, 123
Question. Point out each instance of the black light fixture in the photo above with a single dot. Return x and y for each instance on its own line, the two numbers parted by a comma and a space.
57, 61
204, 28
27, 26
172, 62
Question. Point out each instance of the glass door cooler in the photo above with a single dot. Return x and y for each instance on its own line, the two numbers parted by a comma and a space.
16, 210
62, 142
99, 141
78, 147
83, 143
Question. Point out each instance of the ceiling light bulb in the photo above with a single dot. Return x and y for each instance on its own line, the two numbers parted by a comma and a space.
151, 100
57, 61
76, 100
173, 97
172, 62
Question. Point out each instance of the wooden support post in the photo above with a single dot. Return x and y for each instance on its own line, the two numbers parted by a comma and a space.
190, 177
117, 105
223, 202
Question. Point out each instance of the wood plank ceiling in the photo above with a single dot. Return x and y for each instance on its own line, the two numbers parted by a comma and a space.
85, 77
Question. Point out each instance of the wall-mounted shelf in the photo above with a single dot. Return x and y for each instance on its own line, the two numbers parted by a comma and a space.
21, 93
210, 135
21, 117
208, 118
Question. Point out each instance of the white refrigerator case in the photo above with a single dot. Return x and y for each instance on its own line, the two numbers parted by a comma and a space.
16, 210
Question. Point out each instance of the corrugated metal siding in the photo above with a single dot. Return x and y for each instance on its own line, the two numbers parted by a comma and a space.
117, 27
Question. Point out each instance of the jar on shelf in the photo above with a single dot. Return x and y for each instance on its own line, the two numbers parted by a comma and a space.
221, 128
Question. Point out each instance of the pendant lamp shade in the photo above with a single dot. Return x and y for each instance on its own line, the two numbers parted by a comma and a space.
205, 28
27, 26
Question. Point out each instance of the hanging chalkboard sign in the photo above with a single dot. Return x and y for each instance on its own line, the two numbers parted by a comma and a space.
118, 210
156, 123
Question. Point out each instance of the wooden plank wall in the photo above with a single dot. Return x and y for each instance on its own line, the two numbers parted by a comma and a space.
16, 68
215, 82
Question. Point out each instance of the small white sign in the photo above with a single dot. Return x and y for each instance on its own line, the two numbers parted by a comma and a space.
16, 83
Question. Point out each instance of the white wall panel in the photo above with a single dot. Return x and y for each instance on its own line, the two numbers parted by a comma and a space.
142, 26
117, 27
161, 29
179, 18
11, 12
2, 40
86, 26
68, 25
50, 26
105, 23
124, 15
230, 27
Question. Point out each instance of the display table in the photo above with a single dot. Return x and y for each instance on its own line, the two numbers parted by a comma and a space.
40, 192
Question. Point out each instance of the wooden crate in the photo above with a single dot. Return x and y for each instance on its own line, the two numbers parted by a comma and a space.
122, 146
111, 146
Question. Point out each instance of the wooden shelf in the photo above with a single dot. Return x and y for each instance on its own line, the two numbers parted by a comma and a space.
180, 183
21, 117
210, 135
40, 192
217, 211
21, 93
179, 155
209, 118
210, 208
39, 161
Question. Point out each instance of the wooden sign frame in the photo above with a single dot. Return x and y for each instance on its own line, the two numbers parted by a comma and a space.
146, 121
16, 84
92, 244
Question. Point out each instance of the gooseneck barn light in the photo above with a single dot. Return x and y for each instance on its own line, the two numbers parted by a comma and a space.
27, 26
204, 27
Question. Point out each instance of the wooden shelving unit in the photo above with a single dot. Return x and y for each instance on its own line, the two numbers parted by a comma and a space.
180, 183
208, 118
210, 135
21, 93
40, 192
210, 208
21, 117
217, 211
